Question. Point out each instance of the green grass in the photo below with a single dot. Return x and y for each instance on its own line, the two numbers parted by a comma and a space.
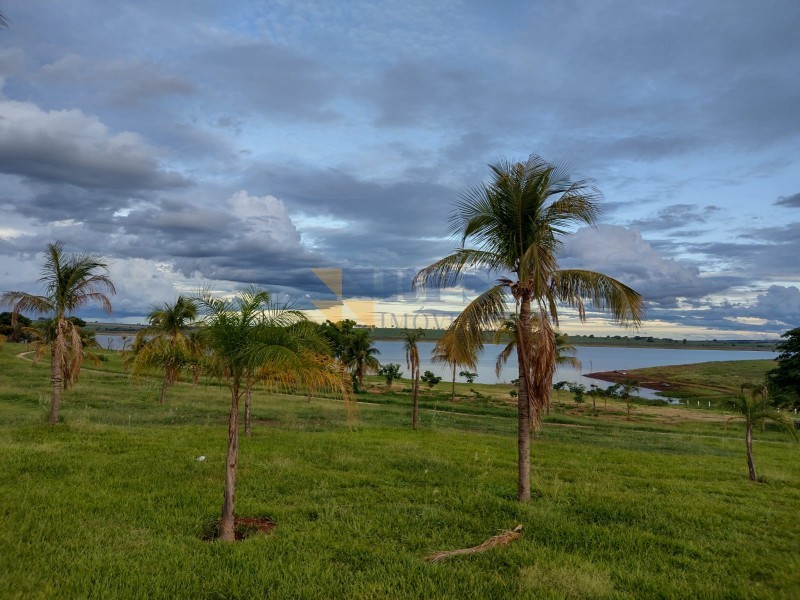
716, 382
113, 503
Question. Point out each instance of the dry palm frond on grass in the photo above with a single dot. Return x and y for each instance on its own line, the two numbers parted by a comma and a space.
502, 539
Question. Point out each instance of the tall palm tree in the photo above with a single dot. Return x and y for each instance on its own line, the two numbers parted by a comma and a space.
70, 282
754, 408
164, 344
516, 223
246, 334
359, 355
412, 361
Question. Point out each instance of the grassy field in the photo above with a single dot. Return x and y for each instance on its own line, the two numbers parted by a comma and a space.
114, 503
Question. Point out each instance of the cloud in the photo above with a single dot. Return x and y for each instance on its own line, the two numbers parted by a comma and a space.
675, 216
778, 304
69, 147
623, 254
792, 201
759, 254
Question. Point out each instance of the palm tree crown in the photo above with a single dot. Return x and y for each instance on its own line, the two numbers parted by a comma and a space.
360, 354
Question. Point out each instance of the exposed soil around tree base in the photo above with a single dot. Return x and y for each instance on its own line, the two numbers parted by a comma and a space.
247, 526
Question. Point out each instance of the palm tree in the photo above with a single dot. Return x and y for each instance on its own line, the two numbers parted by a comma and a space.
516, 222
247, 334
359, 355
457, 348
412, 362
70, 282
754, 408
164, 343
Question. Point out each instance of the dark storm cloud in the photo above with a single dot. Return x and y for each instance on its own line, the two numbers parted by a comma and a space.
387, 211
792, 201
69, 147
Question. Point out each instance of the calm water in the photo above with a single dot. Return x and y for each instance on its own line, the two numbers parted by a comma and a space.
593, 359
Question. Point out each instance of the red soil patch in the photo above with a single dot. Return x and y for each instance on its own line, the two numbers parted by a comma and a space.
246, 526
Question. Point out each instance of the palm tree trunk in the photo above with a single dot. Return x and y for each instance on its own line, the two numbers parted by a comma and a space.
247, 428
227, 525
453, 399
415, 397
749, 441
164, 388
523, 405
56, 377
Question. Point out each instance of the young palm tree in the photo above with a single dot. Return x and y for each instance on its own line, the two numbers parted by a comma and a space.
359, 355
70, 282
164, 344
626, 390
246, 335
754, 408
412, 361
516, 223
457, 348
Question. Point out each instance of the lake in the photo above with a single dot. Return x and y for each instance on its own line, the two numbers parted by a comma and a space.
593, 359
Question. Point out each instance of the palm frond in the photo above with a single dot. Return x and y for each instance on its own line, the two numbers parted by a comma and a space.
23, 302
574, 286
446, 272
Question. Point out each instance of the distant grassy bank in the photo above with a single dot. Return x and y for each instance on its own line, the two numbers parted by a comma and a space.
714, 382
113, 502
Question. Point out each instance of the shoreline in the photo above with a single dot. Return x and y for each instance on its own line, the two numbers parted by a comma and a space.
622, 376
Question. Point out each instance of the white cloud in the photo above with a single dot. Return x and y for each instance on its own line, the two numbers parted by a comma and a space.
625, 255
264, 216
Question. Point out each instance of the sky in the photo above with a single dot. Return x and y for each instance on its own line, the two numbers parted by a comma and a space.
205, 144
